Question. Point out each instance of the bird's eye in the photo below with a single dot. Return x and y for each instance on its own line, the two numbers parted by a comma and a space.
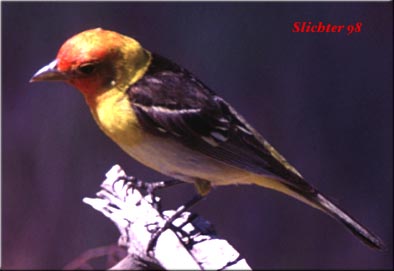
87, 68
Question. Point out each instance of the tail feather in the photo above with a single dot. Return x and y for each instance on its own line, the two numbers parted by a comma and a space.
309, 195
356, 228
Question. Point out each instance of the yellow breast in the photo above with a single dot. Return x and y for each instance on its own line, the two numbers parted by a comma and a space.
114, 115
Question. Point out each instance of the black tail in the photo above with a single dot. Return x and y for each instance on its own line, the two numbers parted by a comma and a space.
294, 185
356, 228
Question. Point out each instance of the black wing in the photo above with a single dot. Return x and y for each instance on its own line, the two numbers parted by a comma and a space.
170, 102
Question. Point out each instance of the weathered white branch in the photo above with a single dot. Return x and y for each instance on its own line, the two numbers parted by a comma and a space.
191, 244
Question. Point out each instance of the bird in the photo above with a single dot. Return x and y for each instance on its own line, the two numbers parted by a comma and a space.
164, 117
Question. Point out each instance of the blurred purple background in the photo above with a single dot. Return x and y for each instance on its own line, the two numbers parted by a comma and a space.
324, 100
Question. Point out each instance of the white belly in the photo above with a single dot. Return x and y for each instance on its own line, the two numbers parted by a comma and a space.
176, 160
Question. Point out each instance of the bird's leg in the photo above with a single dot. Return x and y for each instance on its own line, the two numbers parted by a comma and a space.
154, 186
150, 187
179, 211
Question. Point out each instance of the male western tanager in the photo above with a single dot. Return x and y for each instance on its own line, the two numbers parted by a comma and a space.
167, 119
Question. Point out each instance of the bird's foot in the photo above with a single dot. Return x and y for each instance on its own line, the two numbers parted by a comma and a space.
149, 187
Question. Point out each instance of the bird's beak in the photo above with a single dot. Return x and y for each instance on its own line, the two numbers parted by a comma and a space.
49, 73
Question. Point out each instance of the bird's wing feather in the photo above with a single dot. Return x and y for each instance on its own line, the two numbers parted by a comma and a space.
175, 104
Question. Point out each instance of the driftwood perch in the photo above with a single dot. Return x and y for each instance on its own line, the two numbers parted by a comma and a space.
190, 243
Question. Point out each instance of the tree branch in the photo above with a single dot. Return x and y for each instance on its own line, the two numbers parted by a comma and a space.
190, 243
